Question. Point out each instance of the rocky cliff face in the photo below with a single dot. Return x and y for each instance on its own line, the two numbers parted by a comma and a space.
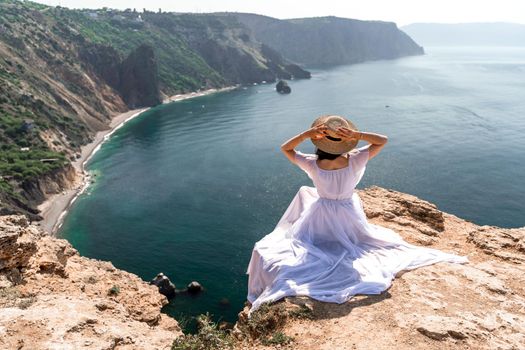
139, 85
51, 297
38, 189
135, 78
331, 40
71, 71
228, 47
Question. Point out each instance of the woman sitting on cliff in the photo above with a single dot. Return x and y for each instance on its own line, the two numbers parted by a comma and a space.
323, 246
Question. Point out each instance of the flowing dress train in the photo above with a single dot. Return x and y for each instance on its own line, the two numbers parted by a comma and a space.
323, 246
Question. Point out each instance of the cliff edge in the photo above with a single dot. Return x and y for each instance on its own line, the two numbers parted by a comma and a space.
479, 305
50, 297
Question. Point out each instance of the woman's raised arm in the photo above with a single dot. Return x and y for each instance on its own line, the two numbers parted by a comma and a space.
377, 141
288, 148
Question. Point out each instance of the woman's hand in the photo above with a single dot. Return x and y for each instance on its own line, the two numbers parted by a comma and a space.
317, 132
348, 134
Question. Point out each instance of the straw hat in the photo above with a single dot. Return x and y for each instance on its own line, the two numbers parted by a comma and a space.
332, 143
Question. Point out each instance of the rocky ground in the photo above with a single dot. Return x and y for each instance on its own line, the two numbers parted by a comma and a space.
480, 305
51, 298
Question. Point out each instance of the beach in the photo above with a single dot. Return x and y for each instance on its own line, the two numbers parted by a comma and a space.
54, 208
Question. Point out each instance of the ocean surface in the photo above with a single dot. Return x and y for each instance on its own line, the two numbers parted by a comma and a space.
187, 188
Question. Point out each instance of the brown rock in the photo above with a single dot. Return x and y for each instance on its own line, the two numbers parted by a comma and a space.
63, 299
15, 247
480, 305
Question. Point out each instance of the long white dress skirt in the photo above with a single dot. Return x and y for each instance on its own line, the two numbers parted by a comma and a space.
323, 246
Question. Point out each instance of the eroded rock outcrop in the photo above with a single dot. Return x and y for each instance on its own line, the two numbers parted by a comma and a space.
139, 82
164, 284
479, 305
50, 298
282, 87
330, 40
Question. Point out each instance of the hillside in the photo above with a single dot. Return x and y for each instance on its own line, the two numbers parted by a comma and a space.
467, 34
65, 73
50, 296
330, 40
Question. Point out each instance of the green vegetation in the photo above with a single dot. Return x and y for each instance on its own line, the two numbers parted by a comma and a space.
26, 165
24, 155
264, 326
69, 70
278, 338
180, 68
266, 320
302, 312
209, 337
114, 291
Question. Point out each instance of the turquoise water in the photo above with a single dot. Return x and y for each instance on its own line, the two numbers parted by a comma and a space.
188, 188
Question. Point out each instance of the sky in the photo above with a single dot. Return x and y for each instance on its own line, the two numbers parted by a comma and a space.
402, 12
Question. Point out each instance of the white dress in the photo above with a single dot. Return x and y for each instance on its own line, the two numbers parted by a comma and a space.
323, 246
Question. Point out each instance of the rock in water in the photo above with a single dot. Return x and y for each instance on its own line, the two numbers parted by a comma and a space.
224, 302
166, 287
282, 87
194, 287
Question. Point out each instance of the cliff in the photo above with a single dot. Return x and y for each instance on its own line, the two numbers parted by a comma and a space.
329, 41
50, 296
479, 305
65, 73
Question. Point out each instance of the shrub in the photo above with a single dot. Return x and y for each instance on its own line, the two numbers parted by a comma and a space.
265, 320
278, 338
209, 337
303, 312
113, 291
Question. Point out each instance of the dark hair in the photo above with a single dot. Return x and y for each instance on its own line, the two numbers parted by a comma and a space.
325, 155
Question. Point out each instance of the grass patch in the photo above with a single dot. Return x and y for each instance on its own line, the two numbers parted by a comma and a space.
278, 338
209, 337
302, 312
265, 320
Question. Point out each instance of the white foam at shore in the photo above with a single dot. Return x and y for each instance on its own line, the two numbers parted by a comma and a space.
86, 177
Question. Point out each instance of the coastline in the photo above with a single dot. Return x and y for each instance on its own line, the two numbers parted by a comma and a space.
54, 209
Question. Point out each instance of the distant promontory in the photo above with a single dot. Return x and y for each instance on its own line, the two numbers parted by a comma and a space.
326, 41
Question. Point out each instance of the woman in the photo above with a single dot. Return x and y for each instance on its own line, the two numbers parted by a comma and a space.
323, 247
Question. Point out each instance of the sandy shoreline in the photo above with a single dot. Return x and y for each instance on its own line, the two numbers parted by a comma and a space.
54, 209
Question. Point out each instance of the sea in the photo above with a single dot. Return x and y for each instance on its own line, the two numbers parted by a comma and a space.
187, 188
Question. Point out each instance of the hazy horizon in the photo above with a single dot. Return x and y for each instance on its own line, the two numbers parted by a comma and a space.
403, 12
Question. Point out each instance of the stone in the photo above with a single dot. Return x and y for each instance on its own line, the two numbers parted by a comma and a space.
139, 83
282, 87
194, 287
166, 287
16, 249
44, 306
440, 328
